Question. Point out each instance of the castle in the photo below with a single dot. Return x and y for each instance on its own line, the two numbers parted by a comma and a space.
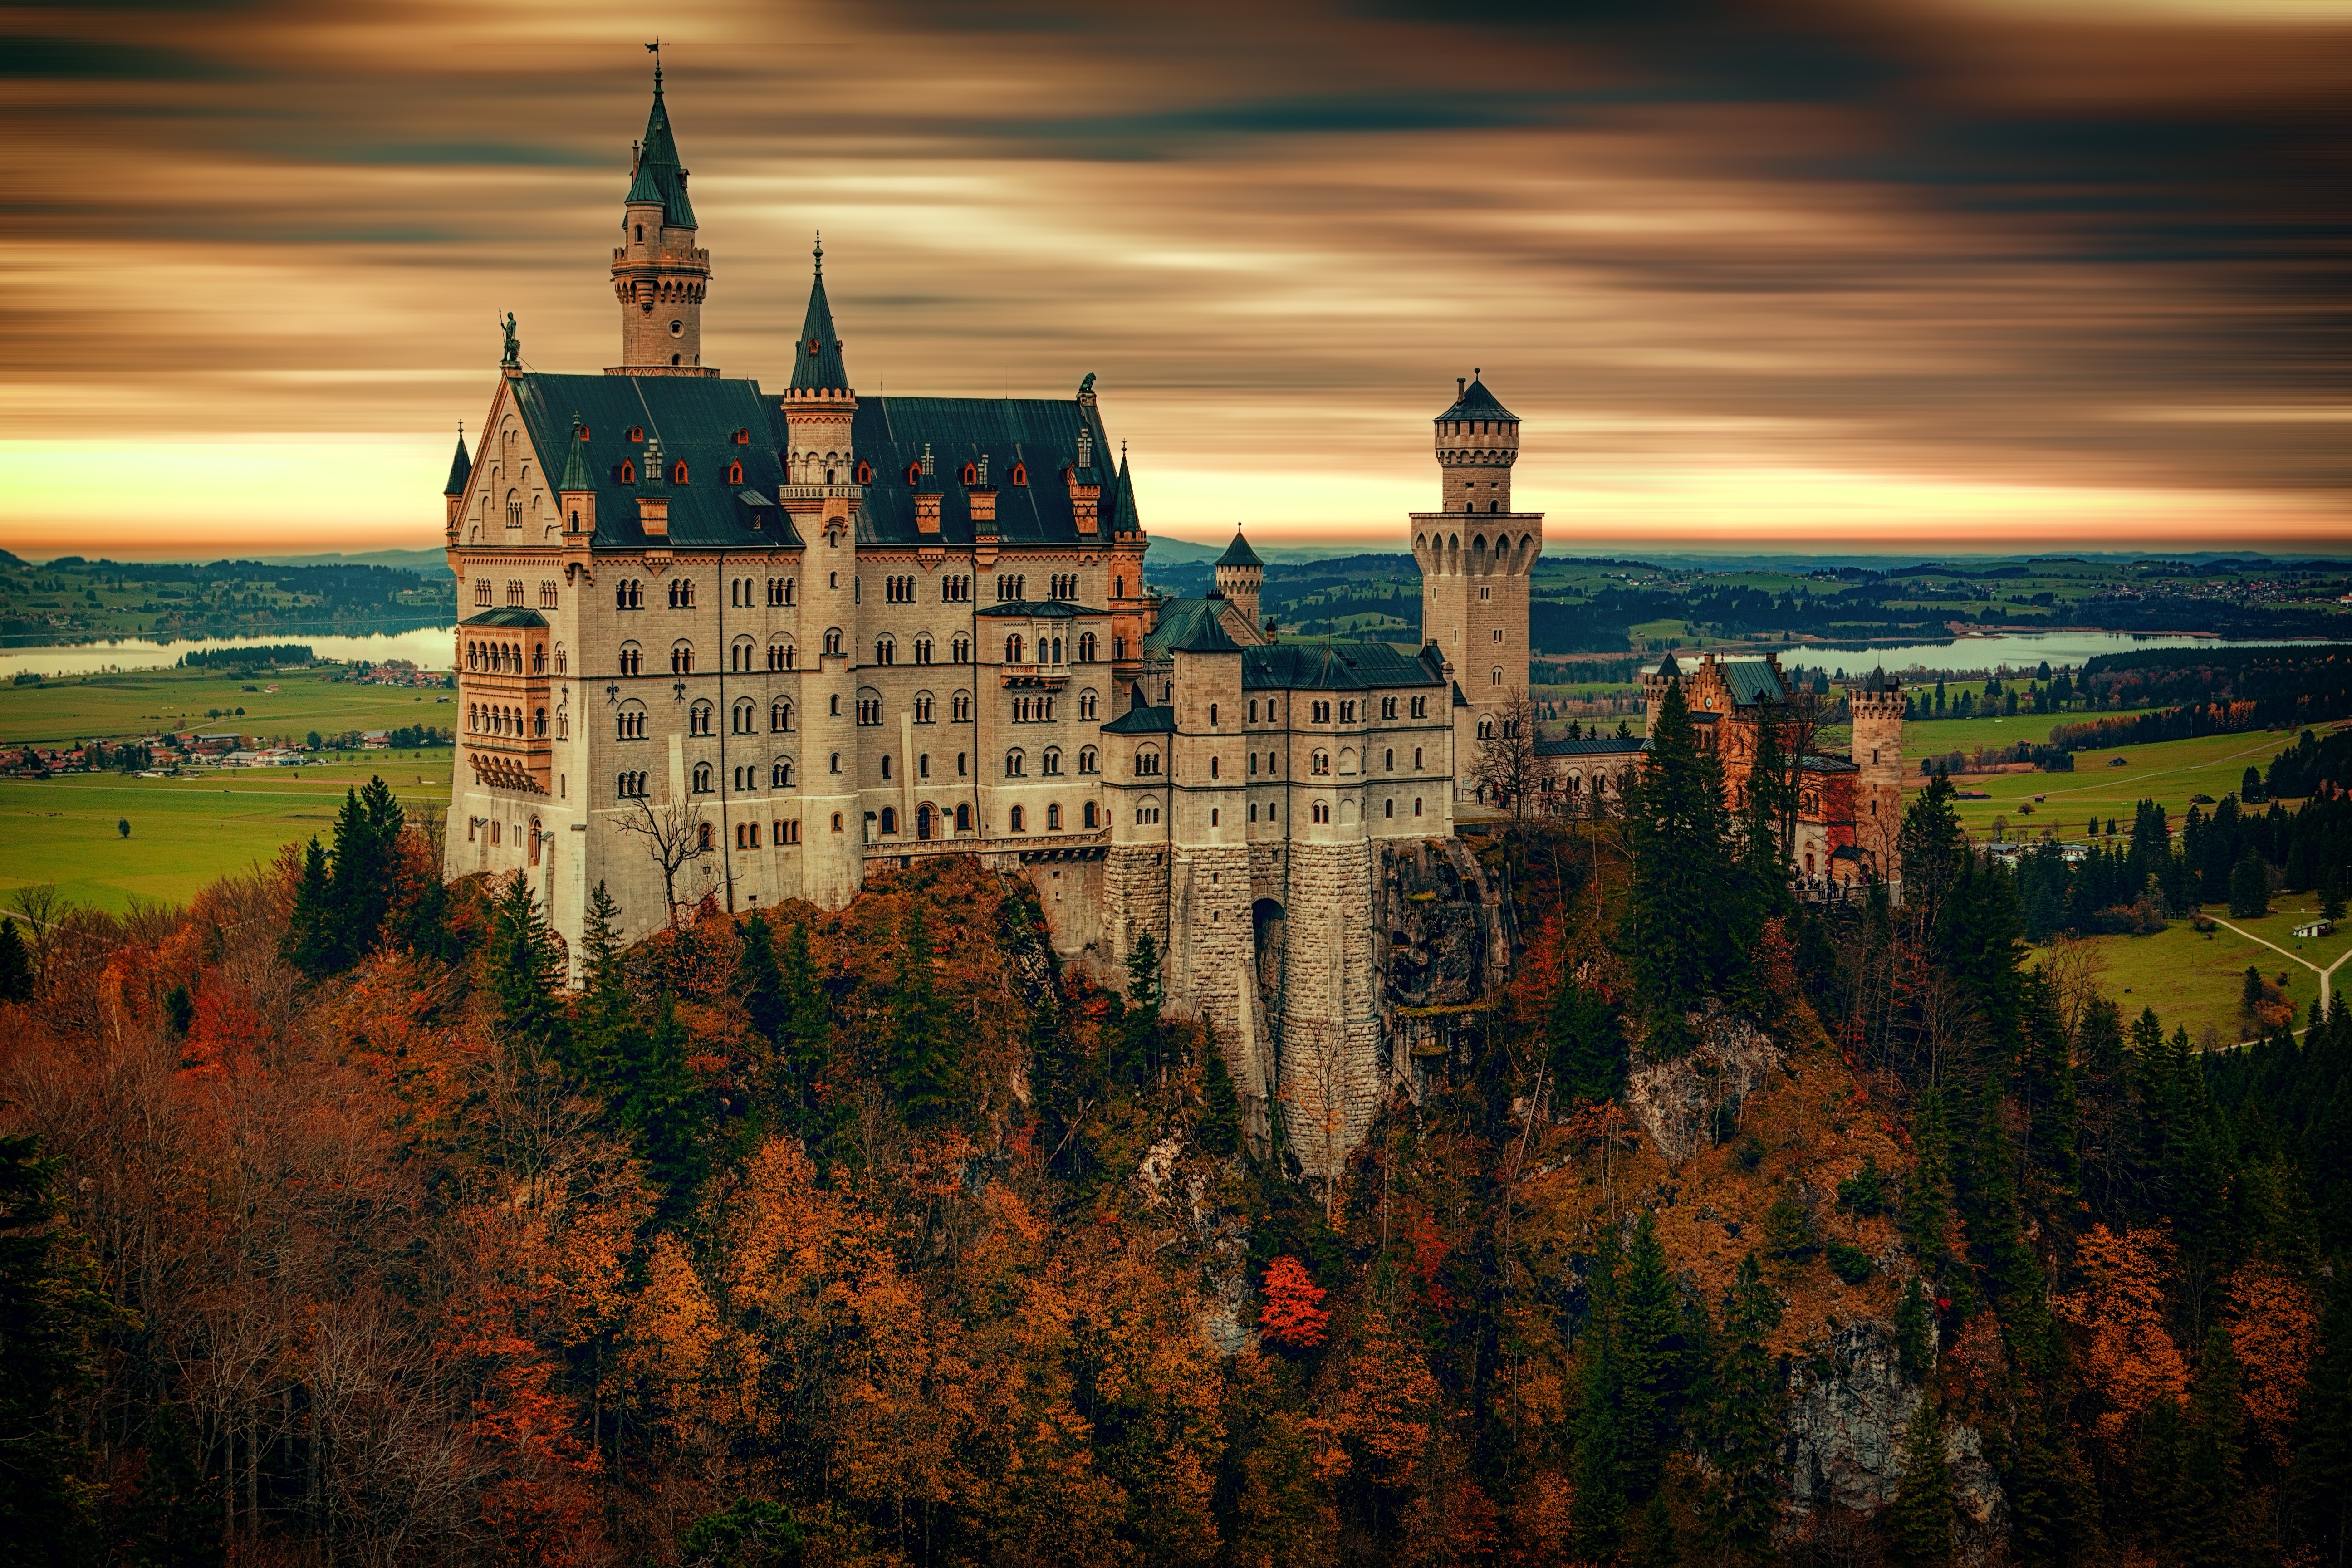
676, 685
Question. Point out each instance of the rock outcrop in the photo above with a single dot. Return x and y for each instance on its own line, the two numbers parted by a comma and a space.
1678, 1099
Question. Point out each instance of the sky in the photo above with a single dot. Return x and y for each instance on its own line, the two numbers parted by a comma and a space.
1955, 277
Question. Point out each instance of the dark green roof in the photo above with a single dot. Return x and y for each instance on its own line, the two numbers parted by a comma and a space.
1593, 746
1178, 619
1040, 435
461, 469
1239, 553
1476, 402
658, 177
1143, 721
1336, 667
695, 419
1751, 680
1208, 634
576, 473
816, 362
507, 616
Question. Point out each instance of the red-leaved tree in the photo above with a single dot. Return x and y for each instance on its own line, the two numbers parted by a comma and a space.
1290, 1316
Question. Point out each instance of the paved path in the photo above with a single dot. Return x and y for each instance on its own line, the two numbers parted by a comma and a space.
2325, 975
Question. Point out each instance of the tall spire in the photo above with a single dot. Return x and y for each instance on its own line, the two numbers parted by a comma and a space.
577, 476
658, 177
461, 467
1123, 518
816, 364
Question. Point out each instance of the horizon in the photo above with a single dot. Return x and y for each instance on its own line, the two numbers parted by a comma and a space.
1948, 281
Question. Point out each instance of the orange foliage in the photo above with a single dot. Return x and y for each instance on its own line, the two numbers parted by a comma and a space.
1289, 1316
2128, 1358
1378, 1408
2273, 1330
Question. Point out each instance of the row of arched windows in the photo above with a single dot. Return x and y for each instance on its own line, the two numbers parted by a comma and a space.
1049, 761
494, 719
507, 659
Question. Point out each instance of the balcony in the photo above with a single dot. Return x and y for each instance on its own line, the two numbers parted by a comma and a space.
1049, 676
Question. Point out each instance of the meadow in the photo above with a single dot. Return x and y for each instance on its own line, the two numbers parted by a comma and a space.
2170, 772
216, 822
142, 702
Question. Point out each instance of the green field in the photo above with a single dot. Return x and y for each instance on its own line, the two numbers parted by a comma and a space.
185, 832
142, 702
2169, 772
2196, 979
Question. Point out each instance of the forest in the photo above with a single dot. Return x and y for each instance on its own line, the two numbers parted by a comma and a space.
339, 1229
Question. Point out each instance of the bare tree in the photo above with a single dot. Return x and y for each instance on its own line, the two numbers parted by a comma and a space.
1507, 771
677, 834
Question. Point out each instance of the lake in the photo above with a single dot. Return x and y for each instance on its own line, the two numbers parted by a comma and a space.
2019, 650
431, 647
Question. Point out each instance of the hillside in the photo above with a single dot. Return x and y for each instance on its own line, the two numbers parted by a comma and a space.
1735, 1230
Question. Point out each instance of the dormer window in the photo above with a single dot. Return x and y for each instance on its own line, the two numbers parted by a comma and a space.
914, 473
865, 473
677, 474
742, 438
628, 472
1020, 473
971, 475
636, 432
734, 473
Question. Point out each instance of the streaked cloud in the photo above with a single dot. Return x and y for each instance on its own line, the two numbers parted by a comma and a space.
1918, 275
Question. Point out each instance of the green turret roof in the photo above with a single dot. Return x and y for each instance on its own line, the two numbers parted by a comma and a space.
1474, 402
1123, 516
658, 176
577, 474
1239, 553
816, 364
461, 467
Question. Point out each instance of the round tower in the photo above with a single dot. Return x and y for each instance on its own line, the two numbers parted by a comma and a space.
1877, 706
1476, 558
1240, 575
659, 275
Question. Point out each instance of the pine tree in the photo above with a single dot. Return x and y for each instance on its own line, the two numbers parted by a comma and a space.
310, 940
1743, 1427
924, 1068
367, 833
1680, 941
604, 1018
1921, 1517
2250, 886
1220, 1110
759, 982
51, 1304
15, 964
1599, 1515
525, 971
1651, 1374
1587, 1045
658, 1105
1914, 1332
1136, 1039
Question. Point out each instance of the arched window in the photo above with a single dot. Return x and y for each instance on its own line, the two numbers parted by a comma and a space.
1496, 679
780, 715
677, 470
889, 819
681, 658
1020, 473
885, 767
1322, 810
833, 641
1090, 760
780, 773
1019, 820
963, 819
697, 719
923, 650
1085, 647
1015, 765
1146, 762
745, 713
1012, 649
702, 778
960, 650
734, 473
1052, 818
628, 472
1090, 815
1320, 764
1051, 763
1388, 809
702, 835
884, 651
865, 473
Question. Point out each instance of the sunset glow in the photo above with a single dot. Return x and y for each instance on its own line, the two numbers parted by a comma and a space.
1917, 278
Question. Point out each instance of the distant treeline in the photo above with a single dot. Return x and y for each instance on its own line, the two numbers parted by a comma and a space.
2220, 691
245, 658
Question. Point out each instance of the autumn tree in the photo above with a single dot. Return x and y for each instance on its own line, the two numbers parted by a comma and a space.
1289, 1316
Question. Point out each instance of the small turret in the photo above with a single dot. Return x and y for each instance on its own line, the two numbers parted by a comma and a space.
819, 408
461, 475
1240, 575
659, 275
577, 489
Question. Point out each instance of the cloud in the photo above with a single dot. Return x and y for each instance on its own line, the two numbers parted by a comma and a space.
1745, 270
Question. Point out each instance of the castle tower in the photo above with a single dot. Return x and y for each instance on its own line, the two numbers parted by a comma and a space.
1877, 706
1476, 558
1240, 575
821, 495
659, 275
